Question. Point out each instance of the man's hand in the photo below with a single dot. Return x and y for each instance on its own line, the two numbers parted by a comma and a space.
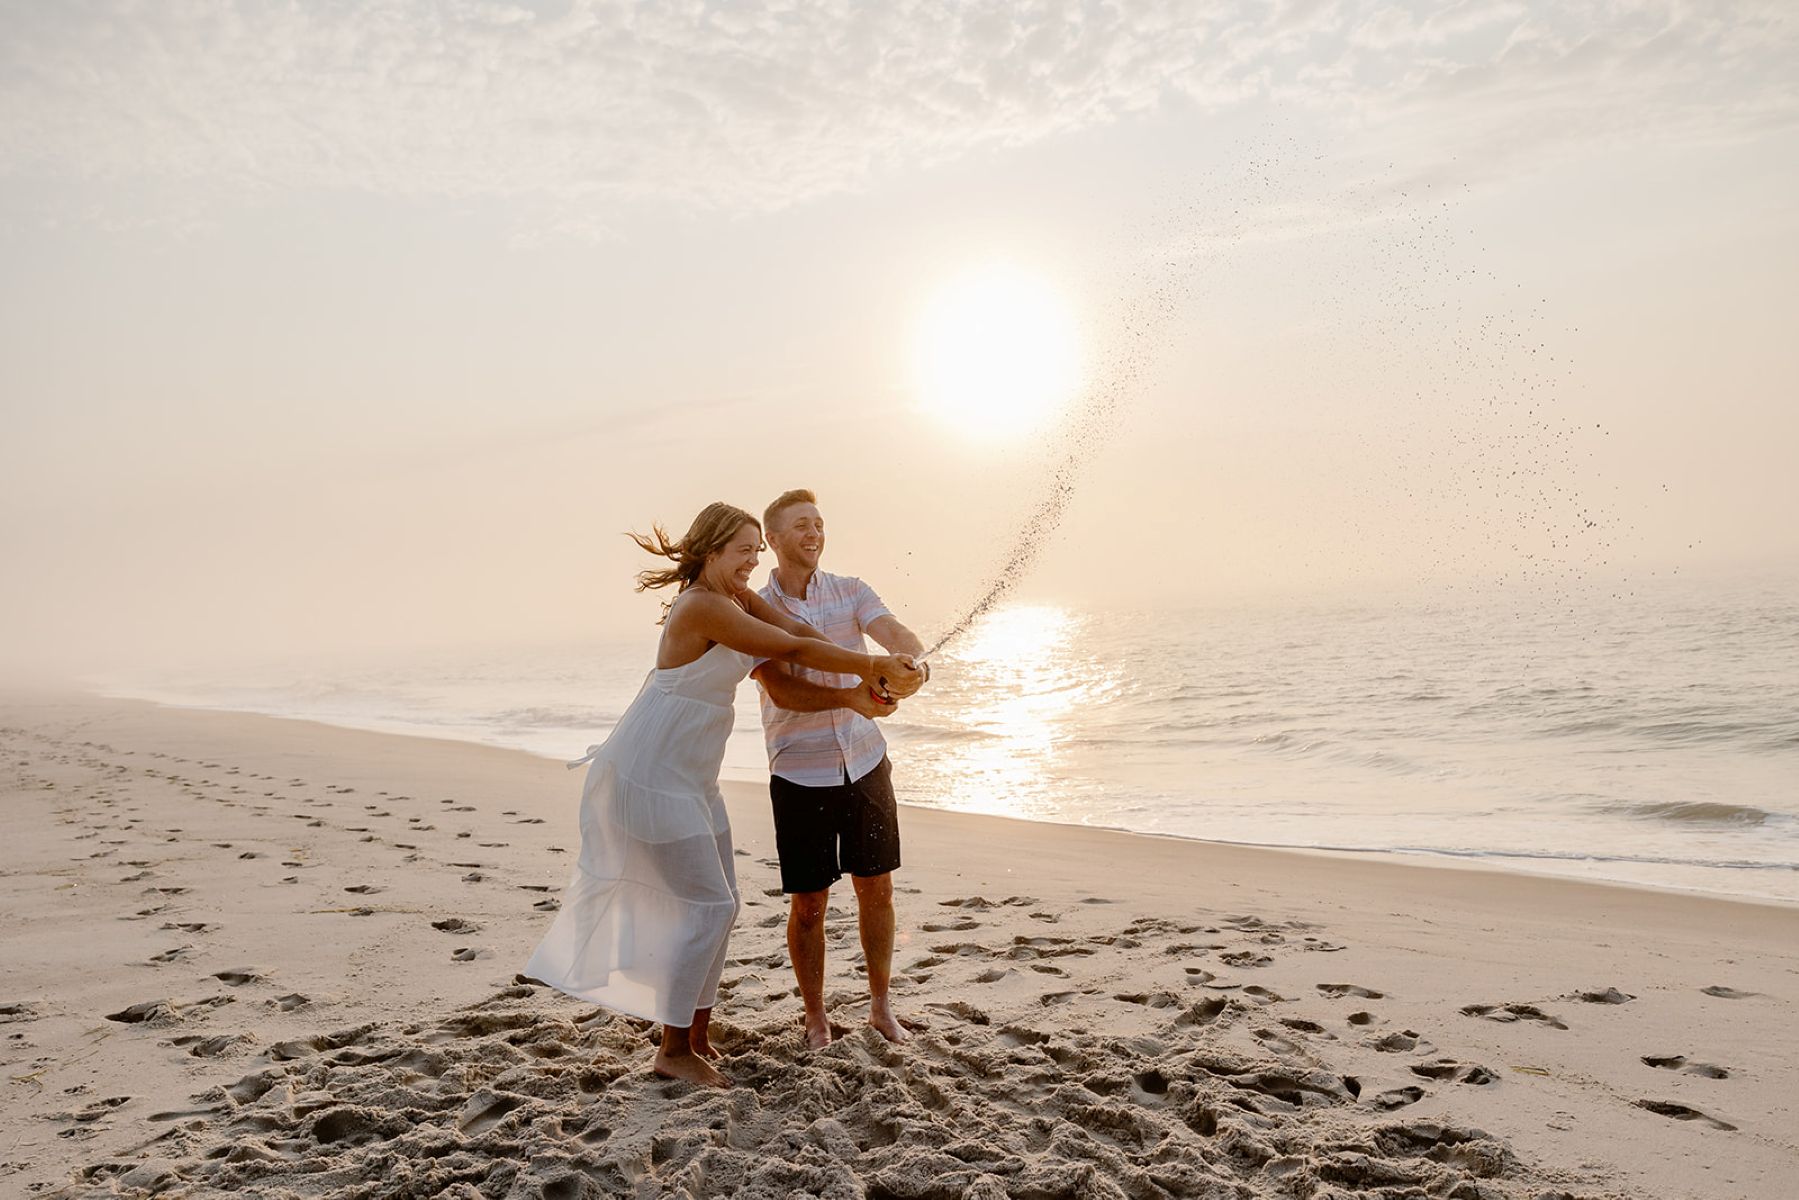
906, 682
861, 700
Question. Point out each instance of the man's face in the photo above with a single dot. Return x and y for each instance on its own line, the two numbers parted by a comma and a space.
800, 539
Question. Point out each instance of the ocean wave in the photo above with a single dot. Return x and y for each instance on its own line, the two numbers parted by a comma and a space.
1702, 812
552, 718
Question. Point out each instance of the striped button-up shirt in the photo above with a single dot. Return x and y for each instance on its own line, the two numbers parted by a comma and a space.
819, 749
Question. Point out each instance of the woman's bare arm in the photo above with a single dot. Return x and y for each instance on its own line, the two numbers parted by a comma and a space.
718, 619
762, 610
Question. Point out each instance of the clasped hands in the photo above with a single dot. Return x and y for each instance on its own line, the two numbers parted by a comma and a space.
893, 678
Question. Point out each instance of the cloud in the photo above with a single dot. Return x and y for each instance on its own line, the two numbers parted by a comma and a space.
587, 109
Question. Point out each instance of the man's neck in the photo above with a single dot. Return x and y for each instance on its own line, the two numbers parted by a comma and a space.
794, 580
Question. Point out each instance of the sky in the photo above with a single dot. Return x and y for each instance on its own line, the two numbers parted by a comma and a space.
346, 326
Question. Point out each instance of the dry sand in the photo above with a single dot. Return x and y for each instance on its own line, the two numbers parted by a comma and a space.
264, 957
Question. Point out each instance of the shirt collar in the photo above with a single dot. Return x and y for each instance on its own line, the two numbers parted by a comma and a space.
774, 581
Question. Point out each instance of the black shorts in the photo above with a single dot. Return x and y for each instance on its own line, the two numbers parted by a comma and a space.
822, 832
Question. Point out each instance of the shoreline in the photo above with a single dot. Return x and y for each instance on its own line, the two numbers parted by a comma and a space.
1499, 862
322, 930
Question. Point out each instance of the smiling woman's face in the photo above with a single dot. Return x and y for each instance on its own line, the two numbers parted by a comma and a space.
731, 566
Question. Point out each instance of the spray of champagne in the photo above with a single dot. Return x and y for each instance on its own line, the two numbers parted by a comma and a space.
1145, 311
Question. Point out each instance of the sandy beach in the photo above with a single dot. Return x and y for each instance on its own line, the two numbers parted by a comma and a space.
254, 956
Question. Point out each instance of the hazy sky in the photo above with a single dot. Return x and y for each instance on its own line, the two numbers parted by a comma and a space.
370, 324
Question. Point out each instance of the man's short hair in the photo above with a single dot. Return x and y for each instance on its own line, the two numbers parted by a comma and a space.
785, 501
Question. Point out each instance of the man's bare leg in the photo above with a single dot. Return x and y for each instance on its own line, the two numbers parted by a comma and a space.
806, 949
675, 1059
697, 1035
874, 917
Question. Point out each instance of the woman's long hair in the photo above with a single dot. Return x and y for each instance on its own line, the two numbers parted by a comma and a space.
710, 532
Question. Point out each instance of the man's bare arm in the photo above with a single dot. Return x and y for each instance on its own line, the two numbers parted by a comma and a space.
894, 637
794, 694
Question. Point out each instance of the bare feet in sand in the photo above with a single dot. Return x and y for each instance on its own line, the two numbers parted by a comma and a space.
880, 1015
690, 1067
818, 1032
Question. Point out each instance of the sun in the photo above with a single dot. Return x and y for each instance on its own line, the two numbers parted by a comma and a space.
997, 354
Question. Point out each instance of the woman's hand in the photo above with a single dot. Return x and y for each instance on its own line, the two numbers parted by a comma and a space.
896, 675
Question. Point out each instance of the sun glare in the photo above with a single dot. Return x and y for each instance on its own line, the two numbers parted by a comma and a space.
997, 354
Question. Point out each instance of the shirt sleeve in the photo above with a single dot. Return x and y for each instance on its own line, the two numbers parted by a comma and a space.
869, 608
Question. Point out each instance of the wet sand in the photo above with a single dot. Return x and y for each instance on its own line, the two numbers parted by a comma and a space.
253, 956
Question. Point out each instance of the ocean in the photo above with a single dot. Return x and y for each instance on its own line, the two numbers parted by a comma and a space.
1652, 741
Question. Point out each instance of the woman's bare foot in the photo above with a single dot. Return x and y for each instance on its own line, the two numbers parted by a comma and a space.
880, 1015
684, 1053
818, 1031
699, 1036
690, 1067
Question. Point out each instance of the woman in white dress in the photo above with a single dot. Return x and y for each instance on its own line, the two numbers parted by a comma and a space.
646, 919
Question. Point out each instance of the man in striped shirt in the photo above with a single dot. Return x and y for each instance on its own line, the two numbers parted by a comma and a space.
830, 782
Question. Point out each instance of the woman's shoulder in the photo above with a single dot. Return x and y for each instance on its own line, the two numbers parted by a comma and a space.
700, 603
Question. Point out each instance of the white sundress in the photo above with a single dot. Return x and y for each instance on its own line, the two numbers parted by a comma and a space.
647, 917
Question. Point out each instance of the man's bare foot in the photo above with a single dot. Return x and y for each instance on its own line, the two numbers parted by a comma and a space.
690, 1067
818, 1033
705, 1049
880, 1015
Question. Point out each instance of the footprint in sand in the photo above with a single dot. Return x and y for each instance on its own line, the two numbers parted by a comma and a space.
366, 889
1727, 993
1150, 999
963, 1010
1404, 1041
1507, 1013
470, 954
289, 1002
1679, 1062
484, 1110
1336, 991
1397, 1098
456, 925
1244, 958
212, 1047
239, 977
1610, 995
1277, 1042
1680, 1112
168, 956
1448, 1068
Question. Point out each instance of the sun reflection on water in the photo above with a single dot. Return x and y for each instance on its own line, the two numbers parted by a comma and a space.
1003, 703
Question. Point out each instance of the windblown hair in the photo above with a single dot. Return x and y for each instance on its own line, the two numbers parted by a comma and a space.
784, 501
710, 532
